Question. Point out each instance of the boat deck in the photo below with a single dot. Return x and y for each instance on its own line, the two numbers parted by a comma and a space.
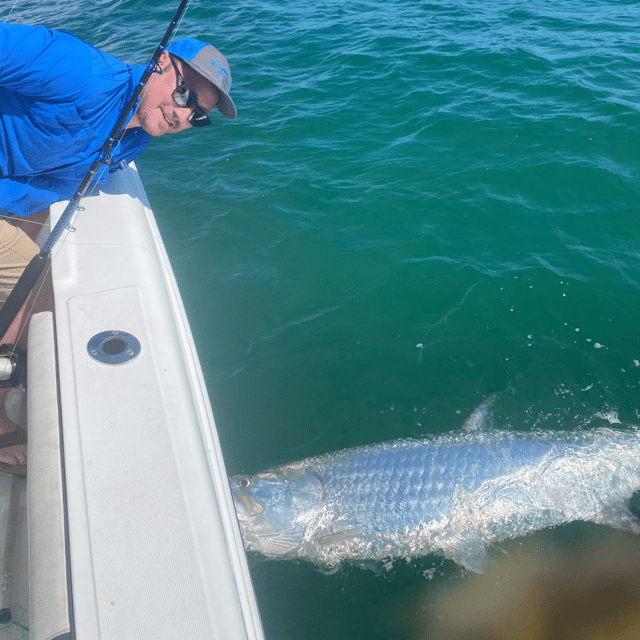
14, 592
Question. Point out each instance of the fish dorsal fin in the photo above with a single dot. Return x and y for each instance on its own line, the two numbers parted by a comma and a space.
477, 421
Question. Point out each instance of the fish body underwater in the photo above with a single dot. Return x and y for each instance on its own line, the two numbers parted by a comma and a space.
456, 494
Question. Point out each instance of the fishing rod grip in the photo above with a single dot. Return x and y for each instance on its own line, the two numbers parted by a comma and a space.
21, 291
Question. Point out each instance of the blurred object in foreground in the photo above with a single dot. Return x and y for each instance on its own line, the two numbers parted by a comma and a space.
579, 581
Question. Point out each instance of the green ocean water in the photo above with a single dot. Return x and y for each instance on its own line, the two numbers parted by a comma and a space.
419, 205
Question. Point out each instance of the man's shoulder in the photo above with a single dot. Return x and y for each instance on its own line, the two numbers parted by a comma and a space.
42, 63
100, 76
95, 63
82, 71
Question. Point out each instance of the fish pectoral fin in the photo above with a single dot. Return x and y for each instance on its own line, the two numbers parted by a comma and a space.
470, 553
477, 421
280, 544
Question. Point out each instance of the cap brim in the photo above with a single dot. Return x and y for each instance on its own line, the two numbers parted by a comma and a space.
225, 105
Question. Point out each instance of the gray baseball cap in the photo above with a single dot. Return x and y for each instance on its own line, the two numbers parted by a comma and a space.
206, 60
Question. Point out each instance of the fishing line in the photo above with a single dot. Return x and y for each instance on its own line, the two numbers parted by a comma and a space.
11, 10
179, 22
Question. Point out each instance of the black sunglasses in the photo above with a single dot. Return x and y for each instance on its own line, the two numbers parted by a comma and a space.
185, 97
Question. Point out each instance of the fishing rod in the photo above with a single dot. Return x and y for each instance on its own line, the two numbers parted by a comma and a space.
34, 269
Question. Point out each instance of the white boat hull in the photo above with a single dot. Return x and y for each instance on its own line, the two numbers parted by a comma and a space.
152, 547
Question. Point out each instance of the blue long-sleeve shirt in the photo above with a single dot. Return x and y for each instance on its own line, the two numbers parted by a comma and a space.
59, 100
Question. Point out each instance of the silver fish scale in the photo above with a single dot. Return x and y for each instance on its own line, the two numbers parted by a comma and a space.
398, 486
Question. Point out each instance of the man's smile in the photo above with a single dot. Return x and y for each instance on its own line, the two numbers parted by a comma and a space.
169, 121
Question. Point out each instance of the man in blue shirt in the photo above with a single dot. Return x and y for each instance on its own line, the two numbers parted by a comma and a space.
60, 98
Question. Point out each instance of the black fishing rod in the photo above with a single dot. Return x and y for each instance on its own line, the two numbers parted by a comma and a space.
30, 275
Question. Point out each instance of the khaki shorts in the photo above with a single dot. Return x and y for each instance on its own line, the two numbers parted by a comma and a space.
16, 251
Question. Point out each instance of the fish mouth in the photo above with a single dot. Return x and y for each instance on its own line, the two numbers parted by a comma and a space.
246, 506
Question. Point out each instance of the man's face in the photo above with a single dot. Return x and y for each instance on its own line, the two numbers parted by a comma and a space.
158, 113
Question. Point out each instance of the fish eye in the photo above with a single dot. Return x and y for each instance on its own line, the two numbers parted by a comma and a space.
244, 481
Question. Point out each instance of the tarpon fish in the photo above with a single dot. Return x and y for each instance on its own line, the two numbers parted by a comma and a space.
456, 494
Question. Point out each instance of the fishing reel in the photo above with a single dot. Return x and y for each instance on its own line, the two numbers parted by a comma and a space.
13, 366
